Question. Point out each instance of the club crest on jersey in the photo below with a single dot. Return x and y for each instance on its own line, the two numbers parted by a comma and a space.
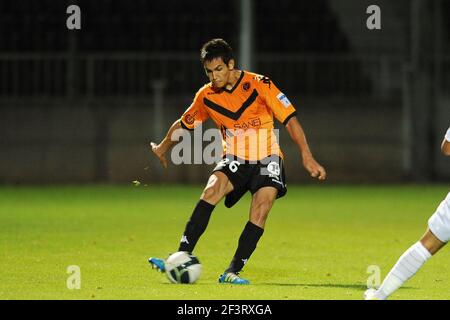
190, 118
283, 99
246, 86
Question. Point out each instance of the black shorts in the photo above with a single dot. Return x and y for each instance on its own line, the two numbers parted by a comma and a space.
252, 176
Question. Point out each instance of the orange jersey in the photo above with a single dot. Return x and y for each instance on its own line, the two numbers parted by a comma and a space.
244, 115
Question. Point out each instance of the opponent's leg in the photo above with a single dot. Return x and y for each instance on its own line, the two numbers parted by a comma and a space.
431, 242
407, 266
217, 187
435, 237
262, 202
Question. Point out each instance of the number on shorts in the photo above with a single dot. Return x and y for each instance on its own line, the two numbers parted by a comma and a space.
233, 166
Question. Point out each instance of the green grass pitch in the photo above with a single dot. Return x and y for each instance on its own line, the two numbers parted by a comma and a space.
318, 243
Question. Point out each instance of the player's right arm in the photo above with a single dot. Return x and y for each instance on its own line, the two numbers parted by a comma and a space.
445, 147
160, 149
194, 115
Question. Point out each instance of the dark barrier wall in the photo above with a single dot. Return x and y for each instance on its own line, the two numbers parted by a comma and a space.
81, 106
55, 143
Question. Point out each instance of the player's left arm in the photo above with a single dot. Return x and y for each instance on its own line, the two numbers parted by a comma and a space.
445, 147
298, 136
285, 112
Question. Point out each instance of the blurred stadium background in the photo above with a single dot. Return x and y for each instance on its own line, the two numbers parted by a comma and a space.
82, 106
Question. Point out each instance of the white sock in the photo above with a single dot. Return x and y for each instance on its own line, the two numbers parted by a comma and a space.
407, 266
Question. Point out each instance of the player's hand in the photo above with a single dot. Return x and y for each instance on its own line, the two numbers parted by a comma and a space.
159, 153
314, 168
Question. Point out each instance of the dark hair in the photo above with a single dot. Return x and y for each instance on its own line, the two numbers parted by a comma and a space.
216, 48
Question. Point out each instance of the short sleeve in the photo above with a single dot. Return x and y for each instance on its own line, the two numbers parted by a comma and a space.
195, 114
276, 100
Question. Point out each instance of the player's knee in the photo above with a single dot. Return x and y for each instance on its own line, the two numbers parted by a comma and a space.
212, 194
214, 190
208, 194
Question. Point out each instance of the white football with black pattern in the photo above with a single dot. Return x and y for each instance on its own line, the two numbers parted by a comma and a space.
183, 267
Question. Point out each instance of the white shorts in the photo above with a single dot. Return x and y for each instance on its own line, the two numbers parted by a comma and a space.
439, 223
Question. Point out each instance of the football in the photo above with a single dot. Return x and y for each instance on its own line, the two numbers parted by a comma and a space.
182, 267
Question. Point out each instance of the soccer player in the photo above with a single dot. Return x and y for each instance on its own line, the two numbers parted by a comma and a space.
242, 105
435, 237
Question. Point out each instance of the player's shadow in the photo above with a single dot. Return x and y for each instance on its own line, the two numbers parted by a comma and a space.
325, 285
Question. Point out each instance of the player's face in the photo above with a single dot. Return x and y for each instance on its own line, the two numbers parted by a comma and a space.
218, 72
